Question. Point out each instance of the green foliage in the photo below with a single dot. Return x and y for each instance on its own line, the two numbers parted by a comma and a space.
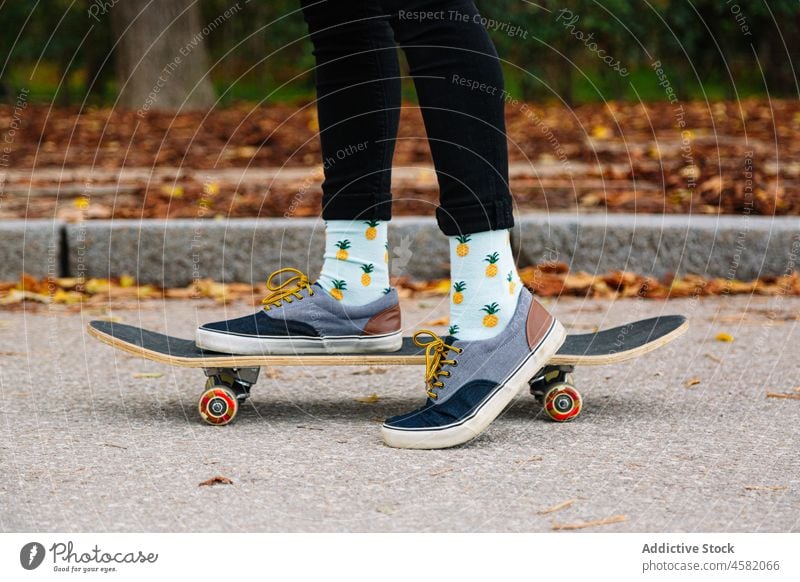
57, 49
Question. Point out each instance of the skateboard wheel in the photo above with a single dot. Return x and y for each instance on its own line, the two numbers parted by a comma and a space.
562, 402
218, 405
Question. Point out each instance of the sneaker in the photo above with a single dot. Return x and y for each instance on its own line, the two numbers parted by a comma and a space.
302, 318
470, 383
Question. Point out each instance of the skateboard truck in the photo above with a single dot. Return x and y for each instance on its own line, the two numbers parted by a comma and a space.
225, 389
554, 387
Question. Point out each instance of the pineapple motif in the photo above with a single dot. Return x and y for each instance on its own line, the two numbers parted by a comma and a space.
462, 250
491, 268
453, 330
365, 278
338, 288
458, 296
386, 253
371, 231
490, 319
511, 283
342, 253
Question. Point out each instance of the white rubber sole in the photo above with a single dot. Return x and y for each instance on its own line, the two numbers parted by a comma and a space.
257, 346
466, 430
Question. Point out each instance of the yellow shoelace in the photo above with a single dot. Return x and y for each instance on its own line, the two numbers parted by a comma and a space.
435, 350
291, 287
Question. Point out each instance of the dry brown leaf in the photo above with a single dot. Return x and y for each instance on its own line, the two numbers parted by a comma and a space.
765, 487
17, 296
147, 375
218, 480
692, 382
593, 523
370, 371
533, 459
782, 395
557, 507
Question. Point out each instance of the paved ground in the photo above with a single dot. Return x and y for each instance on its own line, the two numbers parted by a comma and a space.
87, 446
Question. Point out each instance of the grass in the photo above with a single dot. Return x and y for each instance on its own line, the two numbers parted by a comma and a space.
43, 85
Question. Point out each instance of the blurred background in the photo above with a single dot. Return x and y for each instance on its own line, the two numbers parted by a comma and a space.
72, 51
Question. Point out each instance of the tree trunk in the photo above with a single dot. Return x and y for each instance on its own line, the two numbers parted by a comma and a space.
161, 56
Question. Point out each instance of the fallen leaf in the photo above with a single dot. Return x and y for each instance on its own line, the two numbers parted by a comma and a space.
557, 507
765, 487
724, 337
438, 321
387, 509
147, 374
81, 202
601, 132
585, 524
692, 382
114, 445
533, 459
172, 191
17, 296
782, 395
371, 399
713, 358
218, 480
127, 281
370, 371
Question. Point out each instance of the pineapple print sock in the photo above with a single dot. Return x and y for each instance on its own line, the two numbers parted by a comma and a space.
485, 284
356, 266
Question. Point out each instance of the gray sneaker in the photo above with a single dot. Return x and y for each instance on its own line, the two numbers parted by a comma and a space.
302, 318
470, 383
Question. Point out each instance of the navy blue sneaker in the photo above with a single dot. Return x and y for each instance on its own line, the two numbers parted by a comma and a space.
301, 318
470, 383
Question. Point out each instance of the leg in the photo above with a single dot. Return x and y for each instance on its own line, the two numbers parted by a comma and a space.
465, 127
500, 335
358, 102
459, 82
351, 308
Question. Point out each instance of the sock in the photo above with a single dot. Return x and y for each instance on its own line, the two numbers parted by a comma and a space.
485, 284
356, 266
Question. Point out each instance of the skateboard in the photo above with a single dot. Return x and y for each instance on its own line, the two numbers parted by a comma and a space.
231, 377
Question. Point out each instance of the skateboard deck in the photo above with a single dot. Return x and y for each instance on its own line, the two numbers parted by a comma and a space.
230, 377
608, 346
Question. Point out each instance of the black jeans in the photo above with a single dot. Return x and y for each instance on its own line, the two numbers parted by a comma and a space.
459, 85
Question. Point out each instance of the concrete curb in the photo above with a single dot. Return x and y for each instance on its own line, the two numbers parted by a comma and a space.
30, 246
175, 252
735, 247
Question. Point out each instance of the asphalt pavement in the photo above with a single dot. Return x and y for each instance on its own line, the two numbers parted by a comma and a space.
684, 439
